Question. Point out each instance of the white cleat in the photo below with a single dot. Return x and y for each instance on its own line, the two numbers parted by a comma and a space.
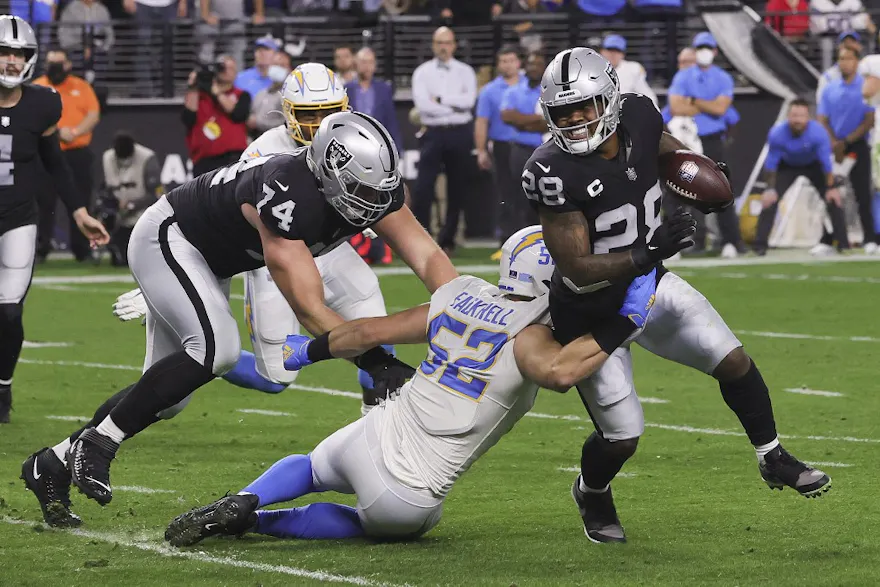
729, 251
872, 249
823, 250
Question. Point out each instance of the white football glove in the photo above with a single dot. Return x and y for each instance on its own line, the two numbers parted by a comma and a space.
130, 306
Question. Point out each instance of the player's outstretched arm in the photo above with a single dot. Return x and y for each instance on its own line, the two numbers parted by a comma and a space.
403, 233
294, 271
544, 361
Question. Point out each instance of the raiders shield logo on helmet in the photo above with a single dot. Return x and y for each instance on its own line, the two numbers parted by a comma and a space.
336, 155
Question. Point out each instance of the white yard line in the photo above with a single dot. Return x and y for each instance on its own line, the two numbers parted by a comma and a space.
808, 391
828, 464
781, 277
44, 345
139, 489
265, 412
167, 551
69, 418
621, 475
653, 400
80, 289
567, 417
792, 335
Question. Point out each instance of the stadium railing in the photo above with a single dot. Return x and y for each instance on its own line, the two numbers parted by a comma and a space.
401, 43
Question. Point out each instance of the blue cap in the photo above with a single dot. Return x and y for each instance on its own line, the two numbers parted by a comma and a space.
268, 42
849, 34
615, 43
705, 39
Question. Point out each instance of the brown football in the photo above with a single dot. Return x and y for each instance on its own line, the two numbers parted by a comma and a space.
696, 180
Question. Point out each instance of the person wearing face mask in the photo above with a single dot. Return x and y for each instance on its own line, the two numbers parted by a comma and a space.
132, 177
266, 106
705, 92
80, 113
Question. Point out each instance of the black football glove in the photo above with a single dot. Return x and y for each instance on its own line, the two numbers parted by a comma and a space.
388, 372
725, 169
672, 236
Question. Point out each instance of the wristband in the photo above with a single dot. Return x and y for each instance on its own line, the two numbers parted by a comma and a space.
375, 357
642, 260
611, 334
319, 348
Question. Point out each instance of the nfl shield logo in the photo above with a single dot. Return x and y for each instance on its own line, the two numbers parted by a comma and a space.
631, 174
4, 121
688, 171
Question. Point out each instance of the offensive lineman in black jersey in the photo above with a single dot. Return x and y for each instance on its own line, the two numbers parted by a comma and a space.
277, 211
28, 145
597, 192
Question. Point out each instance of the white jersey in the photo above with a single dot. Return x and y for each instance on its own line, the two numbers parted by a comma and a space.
467, 394
634, 80
274, 140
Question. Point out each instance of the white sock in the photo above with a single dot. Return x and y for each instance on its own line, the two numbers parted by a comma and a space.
109, 429
60, 450
583, 487
6, 382
365, 409
765, 448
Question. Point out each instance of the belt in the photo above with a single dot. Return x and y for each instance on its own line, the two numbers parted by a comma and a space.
446, 126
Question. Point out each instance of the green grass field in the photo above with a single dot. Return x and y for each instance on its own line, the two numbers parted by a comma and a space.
695, 510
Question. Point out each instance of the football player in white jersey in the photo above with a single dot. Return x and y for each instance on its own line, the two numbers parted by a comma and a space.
489, 351
351, 289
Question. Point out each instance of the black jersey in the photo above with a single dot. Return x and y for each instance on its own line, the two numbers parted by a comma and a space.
285, 193
620, 199
21, 127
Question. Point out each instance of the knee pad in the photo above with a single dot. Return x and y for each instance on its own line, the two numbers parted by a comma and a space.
10, 313
278, 374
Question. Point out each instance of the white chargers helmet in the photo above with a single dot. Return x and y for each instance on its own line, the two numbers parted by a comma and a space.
580, 79
311, 92
356, 164
526, 264
18, 51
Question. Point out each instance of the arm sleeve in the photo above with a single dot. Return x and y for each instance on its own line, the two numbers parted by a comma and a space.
678, 87
421, 97
242, 108
822, 109
188, 117
823, 149
508, 99
726, 87
62, 178
484, 108
774, 153
466, 99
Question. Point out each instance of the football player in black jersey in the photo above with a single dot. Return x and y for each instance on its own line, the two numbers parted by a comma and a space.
596, 188
278, 211
28, 144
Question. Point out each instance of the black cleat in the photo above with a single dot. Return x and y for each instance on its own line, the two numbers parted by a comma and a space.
5, 403
229, 516
780, 469
45, 475
89, 461
597, 510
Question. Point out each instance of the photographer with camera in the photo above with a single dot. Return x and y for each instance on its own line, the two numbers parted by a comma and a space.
215, 114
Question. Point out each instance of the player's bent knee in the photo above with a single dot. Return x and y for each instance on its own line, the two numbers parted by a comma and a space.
621, 449
735, 365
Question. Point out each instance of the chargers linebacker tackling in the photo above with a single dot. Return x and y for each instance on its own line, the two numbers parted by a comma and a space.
596, 188
489, 350
279, 211
29, 144
310, 93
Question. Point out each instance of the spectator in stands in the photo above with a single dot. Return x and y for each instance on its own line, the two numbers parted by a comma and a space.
834, 17
488, 126
653, 17
851, 40
224, 20
80, 39
39, 14
519, 107
444, 91
266, 105
80, 114
256, 78
150, 16
215, 113
799, 147
631, 74
529, 40
849, 119
705, 92
132, 176
343, 63
373, 96
790, 18
465, 12
602, 11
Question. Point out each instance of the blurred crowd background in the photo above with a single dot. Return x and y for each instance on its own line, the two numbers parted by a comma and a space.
181, 86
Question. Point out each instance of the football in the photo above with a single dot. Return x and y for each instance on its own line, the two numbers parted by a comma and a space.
696, 180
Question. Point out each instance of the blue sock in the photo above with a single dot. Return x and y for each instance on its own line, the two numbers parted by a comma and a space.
311, 522
364, 378
244, 374
289, 478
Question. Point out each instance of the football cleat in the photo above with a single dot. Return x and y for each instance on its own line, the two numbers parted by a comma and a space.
47, 477
89, 461
597, 510
780, 469
5, 403
229, 516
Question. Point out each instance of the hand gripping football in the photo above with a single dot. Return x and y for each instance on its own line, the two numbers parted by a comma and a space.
696, 180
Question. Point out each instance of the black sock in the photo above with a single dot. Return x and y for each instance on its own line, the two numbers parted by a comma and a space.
102, 411
11, 339
601, 460
164, 384
749, 399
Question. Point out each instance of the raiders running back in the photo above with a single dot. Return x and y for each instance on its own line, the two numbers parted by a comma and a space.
620, 199
286, 195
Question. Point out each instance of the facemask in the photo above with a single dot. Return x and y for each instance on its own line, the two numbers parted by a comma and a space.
277, 73
705, 57
56, 73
